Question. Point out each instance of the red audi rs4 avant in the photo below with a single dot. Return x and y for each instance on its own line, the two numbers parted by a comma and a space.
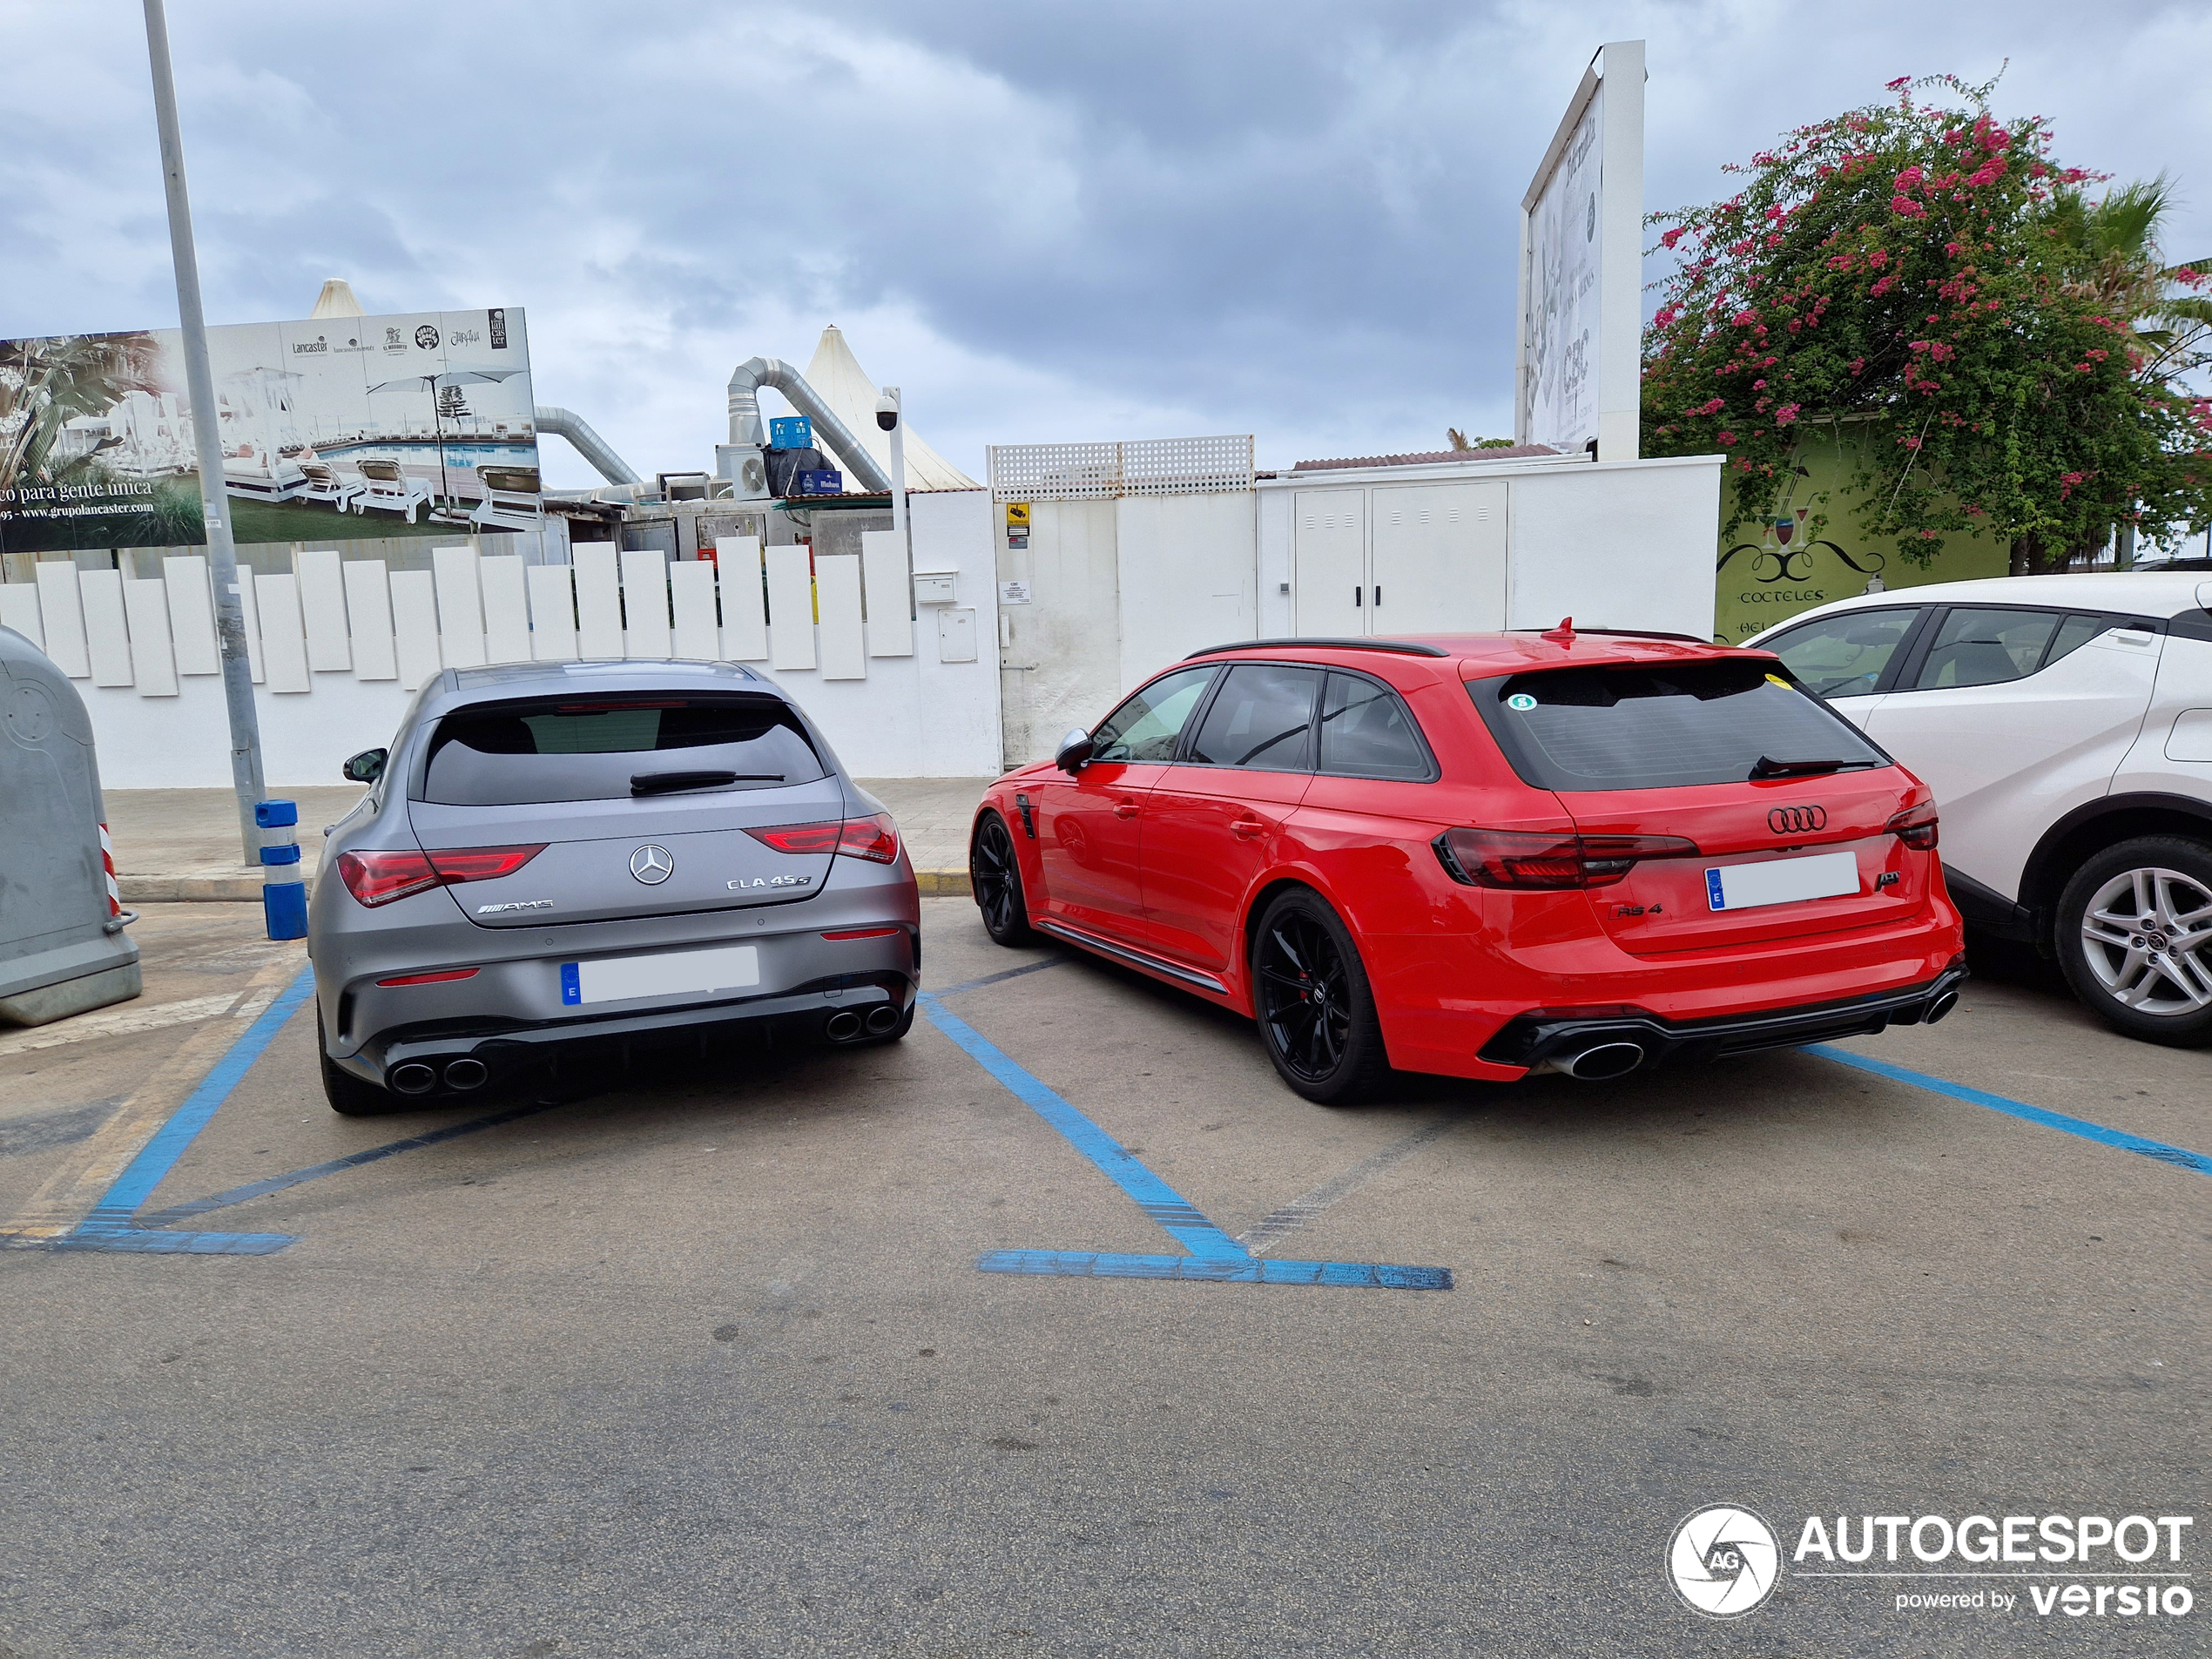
1485, 855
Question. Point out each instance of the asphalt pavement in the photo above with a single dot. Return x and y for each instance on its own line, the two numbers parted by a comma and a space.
698, 1359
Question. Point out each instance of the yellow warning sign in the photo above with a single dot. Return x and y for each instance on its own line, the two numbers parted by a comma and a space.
1017, 514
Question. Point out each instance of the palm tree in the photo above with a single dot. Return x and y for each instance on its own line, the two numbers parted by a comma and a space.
2109, 252
44, 384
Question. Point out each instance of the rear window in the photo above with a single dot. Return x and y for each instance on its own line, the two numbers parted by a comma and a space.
523, 754
1660, 726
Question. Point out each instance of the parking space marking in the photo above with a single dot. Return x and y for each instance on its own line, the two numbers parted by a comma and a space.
1213, 1254
116, 1022
1291, 1217
1011, 972
2178, 1156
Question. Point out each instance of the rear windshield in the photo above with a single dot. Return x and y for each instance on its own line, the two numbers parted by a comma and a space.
520, 753
1659, 726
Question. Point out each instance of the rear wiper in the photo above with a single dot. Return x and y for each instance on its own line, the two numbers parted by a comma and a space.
1766, 767
662, 783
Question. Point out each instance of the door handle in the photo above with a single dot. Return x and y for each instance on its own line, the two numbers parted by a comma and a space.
1378, 593
1357, 594
1245, 828
1125, 809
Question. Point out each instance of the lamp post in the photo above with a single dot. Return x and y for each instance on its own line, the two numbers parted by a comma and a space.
886, 416
207, 443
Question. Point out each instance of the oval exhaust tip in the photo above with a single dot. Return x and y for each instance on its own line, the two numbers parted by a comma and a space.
465, 1074
843, 1027
1605, 1060
882, 1020
1941, 1006
413, 1079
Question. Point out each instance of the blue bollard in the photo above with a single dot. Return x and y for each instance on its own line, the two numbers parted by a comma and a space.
284, 895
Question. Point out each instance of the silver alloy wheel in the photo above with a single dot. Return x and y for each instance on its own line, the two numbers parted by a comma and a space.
2146, 936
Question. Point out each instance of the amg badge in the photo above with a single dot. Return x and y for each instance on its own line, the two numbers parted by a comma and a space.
519, 904
772, 881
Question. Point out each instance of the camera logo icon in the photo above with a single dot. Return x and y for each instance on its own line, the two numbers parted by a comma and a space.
1723, 1561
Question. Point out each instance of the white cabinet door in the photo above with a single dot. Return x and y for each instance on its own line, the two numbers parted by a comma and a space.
2007, 759
1329, 574
1440, 559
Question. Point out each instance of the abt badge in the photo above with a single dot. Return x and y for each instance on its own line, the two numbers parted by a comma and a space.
1723, 1561
772, 881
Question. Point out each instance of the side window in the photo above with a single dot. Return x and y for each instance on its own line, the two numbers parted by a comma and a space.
2073, 633
1263, 719
1367, 732
1146, 727
1844, 655
1985, 648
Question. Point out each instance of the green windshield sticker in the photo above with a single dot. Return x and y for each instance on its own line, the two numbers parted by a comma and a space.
1521, 701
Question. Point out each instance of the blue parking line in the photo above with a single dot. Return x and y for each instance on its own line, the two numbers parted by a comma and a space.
109, 1226
1214, 1254
2178, 1156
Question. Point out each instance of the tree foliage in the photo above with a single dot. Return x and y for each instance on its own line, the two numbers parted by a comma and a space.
2000, 352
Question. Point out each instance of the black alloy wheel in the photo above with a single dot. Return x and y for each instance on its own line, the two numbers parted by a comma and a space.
995, 875
1317, 1016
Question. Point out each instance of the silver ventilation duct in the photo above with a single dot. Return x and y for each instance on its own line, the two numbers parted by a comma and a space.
748, 436
588, 444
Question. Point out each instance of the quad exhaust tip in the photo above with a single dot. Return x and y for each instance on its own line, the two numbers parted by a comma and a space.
1604, 1061
413, 1079
465, 1074
843, 1026
882, 1020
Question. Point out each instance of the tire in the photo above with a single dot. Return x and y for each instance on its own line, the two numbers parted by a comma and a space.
347, 1094
1316, 1011
2134, 936
994, 877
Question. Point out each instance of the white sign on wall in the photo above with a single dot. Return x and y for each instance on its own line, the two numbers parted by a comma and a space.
1581, 265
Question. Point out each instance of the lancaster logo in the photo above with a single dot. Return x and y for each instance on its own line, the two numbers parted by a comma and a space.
1796, 820
772, 881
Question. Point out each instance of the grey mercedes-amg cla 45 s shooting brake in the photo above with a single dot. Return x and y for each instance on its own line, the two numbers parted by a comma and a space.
559, 857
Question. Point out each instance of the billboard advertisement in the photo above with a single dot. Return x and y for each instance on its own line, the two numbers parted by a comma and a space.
337, 428
1564, 320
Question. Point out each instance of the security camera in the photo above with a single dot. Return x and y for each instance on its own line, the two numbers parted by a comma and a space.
887, 412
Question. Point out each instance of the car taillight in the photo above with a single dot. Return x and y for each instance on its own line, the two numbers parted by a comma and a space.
379, 878
439, 978
1483, 858
1916, 826
875, 838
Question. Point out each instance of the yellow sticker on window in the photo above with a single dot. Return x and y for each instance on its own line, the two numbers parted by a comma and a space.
1777, 679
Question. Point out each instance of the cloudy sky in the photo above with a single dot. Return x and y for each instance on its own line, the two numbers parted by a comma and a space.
1047, 221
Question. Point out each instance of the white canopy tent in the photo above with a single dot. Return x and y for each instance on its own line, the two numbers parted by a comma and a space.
839, 379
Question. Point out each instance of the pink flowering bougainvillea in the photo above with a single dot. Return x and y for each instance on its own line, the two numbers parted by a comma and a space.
1897, 279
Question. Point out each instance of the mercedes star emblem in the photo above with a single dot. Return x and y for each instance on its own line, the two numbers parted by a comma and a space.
652, 865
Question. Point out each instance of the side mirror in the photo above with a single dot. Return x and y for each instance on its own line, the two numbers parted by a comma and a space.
1075, 750
364, 767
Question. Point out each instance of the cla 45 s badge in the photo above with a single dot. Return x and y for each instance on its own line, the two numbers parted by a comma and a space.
772, 881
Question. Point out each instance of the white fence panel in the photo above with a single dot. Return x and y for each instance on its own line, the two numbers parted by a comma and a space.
284, 641
507, 609
598, 603
690, 594
322, 609
368, 601
890, 590
62, 607
19, 611
461, 607
250, 614
145, 603
644, 603
744, 618
552, 613
107, 633
791, 607
414, 625
192, 614
837, 586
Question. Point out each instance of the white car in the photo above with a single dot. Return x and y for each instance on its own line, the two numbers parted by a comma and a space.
2065, 723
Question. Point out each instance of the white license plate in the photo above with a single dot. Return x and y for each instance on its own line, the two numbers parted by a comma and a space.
683, 973
1746, 887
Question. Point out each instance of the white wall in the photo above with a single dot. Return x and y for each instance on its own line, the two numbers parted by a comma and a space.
1617, 544
1060, 654
1187, 577
166, 726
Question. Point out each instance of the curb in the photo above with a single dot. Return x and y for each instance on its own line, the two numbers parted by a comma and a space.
217, 886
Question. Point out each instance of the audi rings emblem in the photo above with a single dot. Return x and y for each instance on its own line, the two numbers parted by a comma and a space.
1782, 820
652, 865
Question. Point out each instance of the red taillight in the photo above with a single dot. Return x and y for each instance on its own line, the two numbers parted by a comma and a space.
875, 838
379, 878
1483, 858
1916, 826
431, 979
481, 863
